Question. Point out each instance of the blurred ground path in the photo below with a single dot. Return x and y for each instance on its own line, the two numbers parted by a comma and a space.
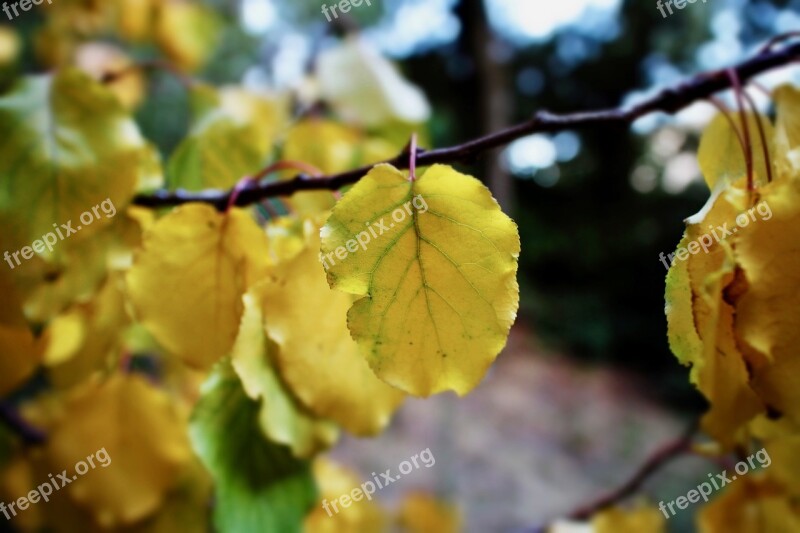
540, 436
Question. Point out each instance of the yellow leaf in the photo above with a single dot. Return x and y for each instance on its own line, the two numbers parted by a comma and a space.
438, 290
362, 516
99, 59
87, 338
187, 33
135, 18
326, 145
779, 456
640, 520
226, 142
750, 505
701, 320
281, 418
188, 280
20, 352
766, 314
10, 46
316, 358
787, 130
372, 92
422, 513
74, 147
265, 115
50, 283
120, 416
721, 156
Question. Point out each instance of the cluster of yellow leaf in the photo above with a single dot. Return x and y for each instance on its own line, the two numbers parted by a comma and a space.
126, 319
733, 314
185, 31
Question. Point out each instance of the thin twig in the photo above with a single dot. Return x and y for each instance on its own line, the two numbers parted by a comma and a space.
668, 101
661, 457
761, 134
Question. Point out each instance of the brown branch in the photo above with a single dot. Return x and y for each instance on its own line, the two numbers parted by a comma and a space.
669, 101
661, 457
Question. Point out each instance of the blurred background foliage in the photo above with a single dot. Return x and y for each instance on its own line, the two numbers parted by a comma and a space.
595, 208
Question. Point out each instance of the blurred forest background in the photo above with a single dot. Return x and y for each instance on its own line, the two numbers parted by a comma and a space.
595, 209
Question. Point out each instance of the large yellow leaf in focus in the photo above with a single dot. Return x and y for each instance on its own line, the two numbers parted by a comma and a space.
640, 520
188, 280
144, 436
720, 154
363, 516
700, 319
437, 283
767, 317
283, 420
316, 358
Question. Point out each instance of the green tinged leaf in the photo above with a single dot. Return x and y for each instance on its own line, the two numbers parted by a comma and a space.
435, 261
67, 145
260, 486
231, 133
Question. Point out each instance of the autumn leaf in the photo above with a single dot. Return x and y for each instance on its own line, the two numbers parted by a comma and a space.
766, 317
73, 147
720, 138
187, 32
188, 280
221, 148
701, 318
750, 505
362, 516
421, 512
20, 352
86, 338
115, 416
260, 486
281, 417
787, 130
316, 358
438, 291
373, 92
638, 520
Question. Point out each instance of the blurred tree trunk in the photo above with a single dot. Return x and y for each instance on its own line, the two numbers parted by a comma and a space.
495, 101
